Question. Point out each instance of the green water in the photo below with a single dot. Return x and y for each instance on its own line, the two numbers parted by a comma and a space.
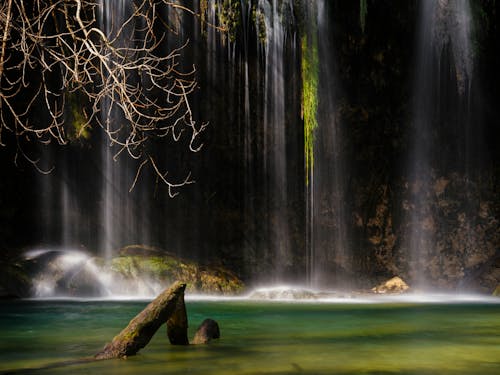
261, 338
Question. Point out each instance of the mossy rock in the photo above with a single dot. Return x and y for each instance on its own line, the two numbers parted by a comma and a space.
219, 280
167, 268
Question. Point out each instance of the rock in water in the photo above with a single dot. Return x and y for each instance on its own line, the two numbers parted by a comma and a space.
207, 331
141, 329
395, 285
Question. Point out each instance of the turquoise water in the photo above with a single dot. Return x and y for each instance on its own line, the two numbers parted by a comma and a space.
260, 338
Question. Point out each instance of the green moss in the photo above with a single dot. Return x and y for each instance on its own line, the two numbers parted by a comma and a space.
168, 268
363, 11
259, 21
310, 72
229, 14
203, 15
76, 118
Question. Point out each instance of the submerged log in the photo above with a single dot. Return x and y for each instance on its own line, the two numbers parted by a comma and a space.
177, 325
207, 331
141, 329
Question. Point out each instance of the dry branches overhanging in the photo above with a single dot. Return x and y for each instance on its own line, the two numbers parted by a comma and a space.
130, 87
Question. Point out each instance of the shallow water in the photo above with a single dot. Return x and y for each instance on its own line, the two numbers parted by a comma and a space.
261, 338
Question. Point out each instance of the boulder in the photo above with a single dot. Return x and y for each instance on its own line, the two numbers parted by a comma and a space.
396, 285
207, 331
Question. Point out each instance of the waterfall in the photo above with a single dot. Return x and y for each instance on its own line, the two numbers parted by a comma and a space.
112, 17
123, 215
276, 15
329, 259
441, 95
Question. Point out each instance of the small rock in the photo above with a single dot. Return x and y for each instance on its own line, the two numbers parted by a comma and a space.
395, 285
207, 331
496, 292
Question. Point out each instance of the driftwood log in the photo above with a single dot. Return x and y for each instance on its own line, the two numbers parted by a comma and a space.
177, 324
166, 307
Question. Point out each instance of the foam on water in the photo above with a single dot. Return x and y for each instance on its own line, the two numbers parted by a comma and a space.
76, 275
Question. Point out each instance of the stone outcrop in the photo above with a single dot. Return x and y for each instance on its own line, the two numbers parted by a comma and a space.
396, 285
206, 332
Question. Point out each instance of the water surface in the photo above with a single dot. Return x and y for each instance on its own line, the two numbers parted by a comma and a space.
261, 338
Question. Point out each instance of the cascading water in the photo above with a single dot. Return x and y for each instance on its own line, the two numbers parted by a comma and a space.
328, 256
276, 15
122, 216
112, 18
275, 123
443, 80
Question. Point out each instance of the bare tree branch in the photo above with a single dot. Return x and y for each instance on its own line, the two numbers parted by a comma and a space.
129, 86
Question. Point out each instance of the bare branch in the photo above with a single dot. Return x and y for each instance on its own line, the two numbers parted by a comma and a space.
131, 88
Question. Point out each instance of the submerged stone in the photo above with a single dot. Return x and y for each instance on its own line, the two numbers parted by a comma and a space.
396, 285
206, 332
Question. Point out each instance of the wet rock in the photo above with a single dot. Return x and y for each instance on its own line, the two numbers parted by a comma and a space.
216, 279
496, 292
396, 285
82, 282
164, 268
14, 280
207, 331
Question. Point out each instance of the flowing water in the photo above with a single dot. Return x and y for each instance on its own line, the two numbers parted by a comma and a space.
328, 250
261, 337
444, 68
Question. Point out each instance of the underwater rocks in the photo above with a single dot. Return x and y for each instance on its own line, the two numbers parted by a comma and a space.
396, 285
206, 332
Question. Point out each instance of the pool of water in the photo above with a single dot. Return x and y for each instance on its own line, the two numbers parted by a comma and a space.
260, 337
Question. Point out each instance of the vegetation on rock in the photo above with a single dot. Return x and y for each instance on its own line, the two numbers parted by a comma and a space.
310, 76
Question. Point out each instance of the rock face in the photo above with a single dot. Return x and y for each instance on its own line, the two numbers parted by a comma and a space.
207, 331
141, 329
396, 285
